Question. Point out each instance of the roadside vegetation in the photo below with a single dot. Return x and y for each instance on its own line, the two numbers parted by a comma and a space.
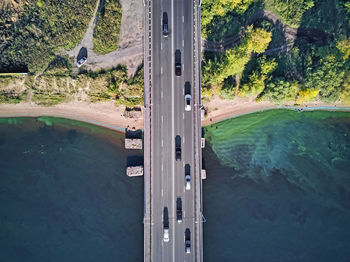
296, 54
56, 86
32, 31
107, 29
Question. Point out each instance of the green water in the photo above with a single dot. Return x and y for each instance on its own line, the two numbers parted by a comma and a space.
278, 187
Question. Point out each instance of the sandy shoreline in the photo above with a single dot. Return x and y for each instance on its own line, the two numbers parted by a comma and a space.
107, 115
103, 114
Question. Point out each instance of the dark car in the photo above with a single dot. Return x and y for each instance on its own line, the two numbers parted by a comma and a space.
178, 62
178, 148
165, 225
165, 25
187, 241
178, 153
179, 210
178, 69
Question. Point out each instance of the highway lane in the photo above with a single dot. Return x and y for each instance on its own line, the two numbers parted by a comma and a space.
168, 120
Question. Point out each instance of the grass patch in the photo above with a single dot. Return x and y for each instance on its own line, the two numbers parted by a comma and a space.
31, 34
48, 98
106, 33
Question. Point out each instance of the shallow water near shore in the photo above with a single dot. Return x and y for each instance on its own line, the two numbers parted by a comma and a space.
277, 189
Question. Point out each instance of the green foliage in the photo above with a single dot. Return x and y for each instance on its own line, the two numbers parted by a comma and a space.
59, 66
306, 95
51, 89
9, 98
327, 77
214, 8
234, 60
280, 90
227, 92
48, 98
255, 85
292, 11
117, 77
256, 81
344, 47
131, 93
345, 90
106, 33
38, 29
257, 39
206, 93
232, 63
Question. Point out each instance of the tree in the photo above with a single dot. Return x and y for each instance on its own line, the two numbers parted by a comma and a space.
327, 77
257, 39
306, 95
256, 81
280, 90
344, 47
235, 59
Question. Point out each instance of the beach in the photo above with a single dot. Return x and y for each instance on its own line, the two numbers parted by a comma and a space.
104, 114
108, 115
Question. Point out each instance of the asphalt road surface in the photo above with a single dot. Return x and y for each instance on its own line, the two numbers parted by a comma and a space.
169, 119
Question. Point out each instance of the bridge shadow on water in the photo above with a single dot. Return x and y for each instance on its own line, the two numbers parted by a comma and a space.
134, 160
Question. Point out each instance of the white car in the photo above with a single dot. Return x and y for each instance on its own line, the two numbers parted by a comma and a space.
166, 234
81, 61
188, 102
188, 182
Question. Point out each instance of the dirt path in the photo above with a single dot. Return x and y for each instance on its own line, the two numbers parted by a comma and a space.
290, 35
130, 48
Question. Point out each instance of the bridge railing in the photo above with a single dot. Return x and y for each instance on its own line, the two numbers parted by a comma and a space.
197, 132
147, 41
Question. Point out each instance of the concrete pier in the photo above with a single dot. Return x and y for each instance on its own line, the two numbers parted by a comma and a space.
204, 174
132, 143
134, 171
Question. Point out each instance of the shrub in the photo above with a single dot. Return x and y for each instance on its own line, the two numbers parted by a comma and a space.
106, 33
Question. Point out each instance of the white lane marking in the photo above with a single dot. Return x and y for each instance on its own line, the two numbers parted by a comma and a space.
172, 125
162, 120
161, 46
183, 42
183, 117
161, 94
183, 19
162, 142
161, 70
162, 192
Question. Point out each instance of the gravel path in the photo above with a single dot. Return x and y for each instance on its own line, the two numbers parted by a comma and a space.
130, 48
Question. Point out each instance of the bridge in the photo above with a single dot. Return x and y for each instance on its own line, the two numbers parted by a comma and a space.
169, 127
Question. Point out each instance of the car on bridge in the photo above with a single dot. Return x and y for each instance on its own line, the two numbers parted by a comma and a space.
178, 148
165, 225
188, 241
187, 96
179, 210
187, 102
165, 25
178, 68
187, 177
